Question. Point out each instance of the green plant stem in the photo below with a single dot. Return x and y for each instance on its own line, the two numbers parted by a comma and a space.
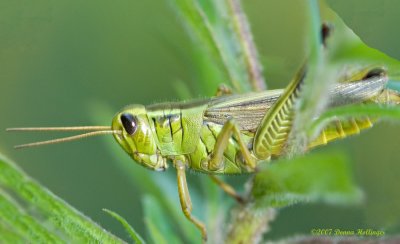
249, 224
197, 22
242, 29
314, 94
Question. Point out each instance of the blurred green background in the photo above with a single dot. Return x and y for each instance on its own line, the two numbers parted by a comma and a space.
61, 61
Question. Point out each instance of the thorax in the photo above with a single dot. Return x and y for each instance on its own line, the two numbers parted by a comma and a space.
176, 126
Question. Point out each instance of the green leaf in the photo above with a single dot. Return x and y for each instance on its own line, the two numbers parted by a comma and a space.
311, 178
320, 76
25, 223
347, 48
221, 29
30, 212
346, 53
9, 234
132, 233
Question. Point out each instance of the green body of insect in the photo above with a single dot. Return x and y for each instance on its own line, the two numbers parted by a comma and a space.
231, 134
228, 134
221, 135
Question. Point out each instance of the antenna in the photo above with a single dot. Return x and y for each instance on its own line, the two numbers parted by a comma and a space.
94, 131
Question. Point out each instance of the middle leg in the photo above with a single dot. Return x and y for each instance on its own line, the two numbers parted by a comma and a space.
228, 189
228, 130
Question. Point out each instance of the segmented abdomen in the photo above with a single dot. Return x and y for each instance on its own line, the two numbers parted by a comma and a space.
341, 129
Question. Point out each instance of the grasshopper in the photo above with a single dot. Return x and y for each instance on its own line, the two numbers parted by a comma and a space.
229, 133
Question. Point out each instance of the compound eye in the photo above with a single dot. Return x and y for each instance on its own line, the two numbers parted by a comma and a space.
129, 123
376, 72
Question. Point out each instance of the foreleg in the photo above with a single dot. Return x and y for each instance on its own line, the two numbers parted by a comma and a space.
184, 198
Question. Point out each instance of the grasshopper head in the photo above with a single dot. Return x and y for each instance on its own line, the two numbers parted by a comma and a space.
137, 138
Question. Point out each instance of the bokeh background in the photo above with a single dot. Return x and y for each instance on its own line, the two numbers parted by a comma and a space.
61, 62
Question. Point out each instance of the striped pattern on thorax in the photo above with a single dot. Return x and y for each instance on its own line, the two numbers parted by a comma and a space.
176, 126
